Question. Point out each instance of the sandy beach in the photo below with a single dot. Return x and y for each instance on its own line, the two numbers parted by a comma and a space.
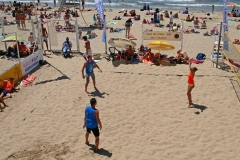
143, 108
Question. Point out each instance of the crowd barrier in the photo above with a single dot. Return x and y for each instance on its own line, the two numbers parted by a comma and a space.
23, 67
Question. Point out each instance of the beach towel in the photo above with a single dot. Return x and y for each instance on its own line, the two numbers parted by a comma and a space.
28, 80
112, 22
196, 61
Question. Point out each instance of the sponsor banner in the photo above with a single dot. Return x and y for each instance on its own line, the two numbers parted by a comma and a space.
30, 62
158, 35
15, 71
225, 25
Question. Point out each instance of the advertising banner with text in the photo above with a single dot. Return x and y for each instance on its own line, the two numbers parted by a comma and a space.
166, 36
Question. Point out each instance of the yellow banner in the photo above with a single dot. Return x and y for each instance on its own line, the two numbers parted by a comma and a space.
14, 71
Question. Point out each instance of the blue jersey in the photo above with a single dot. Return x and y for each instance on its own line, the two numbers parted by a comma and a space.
91, 121
89, 67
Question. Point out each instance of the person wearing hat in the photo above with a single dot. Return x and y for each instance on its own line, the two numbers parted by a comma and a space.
89, 66
191, 75
8, 86
66, 49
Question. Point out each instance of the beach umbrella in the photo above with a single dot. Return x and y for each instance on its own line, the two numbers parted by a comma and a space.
12, 39
121, 42
160, 45
232, 3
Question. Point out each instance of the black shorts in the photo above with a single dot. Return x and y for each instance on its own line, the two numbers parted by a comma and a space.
83, 3
4, 92
95, 131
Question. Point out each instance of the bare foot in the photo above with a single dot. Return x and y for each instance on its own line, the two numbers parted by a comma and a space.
87, 143
6, 106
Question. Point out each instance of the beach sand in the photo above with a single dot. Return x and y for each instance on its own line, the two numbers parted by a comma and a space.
143, 108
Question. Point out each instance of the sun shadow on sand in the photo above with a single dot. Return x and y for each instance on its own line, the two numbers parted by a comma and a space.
57, 79
101, 151
97, 93
200, 107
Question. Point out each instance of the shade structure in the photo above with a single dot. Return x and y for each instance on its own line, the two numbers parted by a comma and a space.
12, 39
160, 45
121, 42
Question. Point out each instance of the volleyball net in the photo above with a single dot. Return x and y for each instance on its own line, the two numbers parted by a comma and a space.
233, 57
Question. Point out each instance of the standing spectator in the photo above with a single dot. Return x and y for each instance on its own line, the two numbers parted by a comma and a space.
45, 35
22, 18
94, 19
128, 25
8, 87
88, 48
83, 3
92, 122
66, 49
212, 8
17, 17
171, 21
89, 66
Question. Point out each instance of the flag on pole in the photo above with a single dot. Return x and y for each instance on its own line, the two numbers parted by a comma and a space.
100, 9
225, 25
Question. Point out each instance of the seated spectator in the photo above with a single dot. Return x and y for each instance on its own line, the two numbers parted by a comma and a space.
125, 13
186, 11
132, 13
129, 54
166, 14
66, 49
76, 14
10, 52
141, 53
31, 38
151, 21
188, 18
23, 50
175, 15
182, 57
58, 27
144, 21
71, 28
33, 48
161, 17
148, 56
8, 87
5, 22
41, 15
8, 8
203, 25
137, 17
196, 23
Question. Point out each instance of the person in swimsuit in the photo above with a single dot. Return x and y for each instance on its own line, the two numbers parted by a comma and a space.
191, 75
83, 3
22, 18
88, 48
89, 65
92, 122
45, 35
17, 16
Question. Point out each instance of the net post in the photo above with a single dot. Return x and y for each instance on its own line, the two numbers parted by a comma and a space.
219, 43
49, 37
77, 35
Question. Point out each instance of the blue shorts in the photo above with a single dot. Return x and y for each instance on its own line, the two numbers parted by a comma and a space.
5, 92
65, 50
